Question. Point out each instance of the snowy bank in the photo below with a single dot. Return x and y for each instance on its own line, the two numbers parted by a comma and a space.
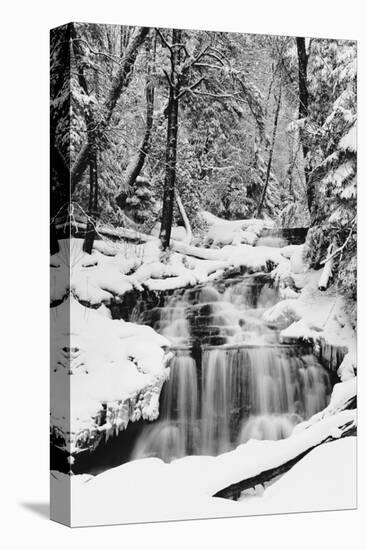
114, 379
151, 490
115, 268
308, 313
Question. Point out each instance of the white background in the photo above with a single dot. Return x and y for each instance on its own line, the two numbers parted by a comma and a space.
24, 272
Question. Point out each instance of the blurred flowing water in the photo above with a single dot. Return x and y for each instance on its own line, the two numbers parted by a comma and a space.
231, 380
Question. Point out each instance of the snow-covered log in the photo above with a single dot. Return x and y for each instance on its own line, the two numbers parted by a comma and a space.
338, 419
116, 268
116, 233
211, 219
232, 232
236, 489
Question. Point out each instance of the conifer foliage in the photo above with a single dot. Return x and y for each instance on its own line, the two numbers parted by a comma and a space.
331, 134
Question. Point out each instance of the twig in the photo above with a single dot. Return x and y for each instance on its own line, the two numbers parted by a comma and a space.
164, 41
190, 88
108, 56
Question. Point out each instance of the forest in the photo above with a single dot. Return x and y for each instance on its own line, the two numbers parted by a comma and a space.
203, 198
266, 129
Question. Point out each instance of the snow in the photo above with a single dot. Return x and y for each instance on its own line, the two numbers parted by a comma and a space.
124, 378
232, 232
325, 479
297, 263
116, 268
92, 278
349, 141
150, 490
301, 330
110, 368
213, 220
254, 258
122, 375
342, 394
288, 293
348, 368
178, 233
285, 312
313, 314
290, 249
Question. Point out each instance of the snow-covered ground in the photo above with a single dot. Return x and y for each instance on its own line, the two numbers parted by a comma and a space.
115, 268
325, 479
151, 490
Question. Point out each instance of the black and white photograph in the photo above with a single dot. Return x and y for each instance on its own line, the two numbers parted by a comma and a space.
203, 274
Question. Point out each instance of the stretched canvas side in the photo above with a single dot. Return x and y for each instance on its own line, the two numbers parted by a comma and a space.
203, 274
60, 242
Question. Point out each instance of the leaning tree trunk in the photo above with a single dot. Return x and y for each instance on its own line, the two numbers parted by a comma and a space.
93, 191
135, 166
171, 149
185, 218
93, 204
269, 165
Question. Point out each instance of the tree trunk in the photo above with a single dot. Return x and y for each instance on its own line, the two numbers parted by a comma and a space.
90, 124
269, 165
119, 84
171, 150
93, 205
135, 166
233, 492
59, 152
303, 113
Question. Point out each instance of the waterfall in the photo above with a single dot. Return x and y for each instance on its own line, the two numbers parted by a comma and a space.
231, 380
175, 433
257, 392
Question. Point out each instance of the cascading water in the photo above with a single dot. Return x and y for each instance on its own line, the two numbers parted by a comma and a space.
175, 434
257, 392
230, 380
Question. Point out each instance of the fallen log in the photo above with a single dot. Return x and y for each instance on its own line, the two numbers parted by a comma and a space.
234, 490
337, 420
